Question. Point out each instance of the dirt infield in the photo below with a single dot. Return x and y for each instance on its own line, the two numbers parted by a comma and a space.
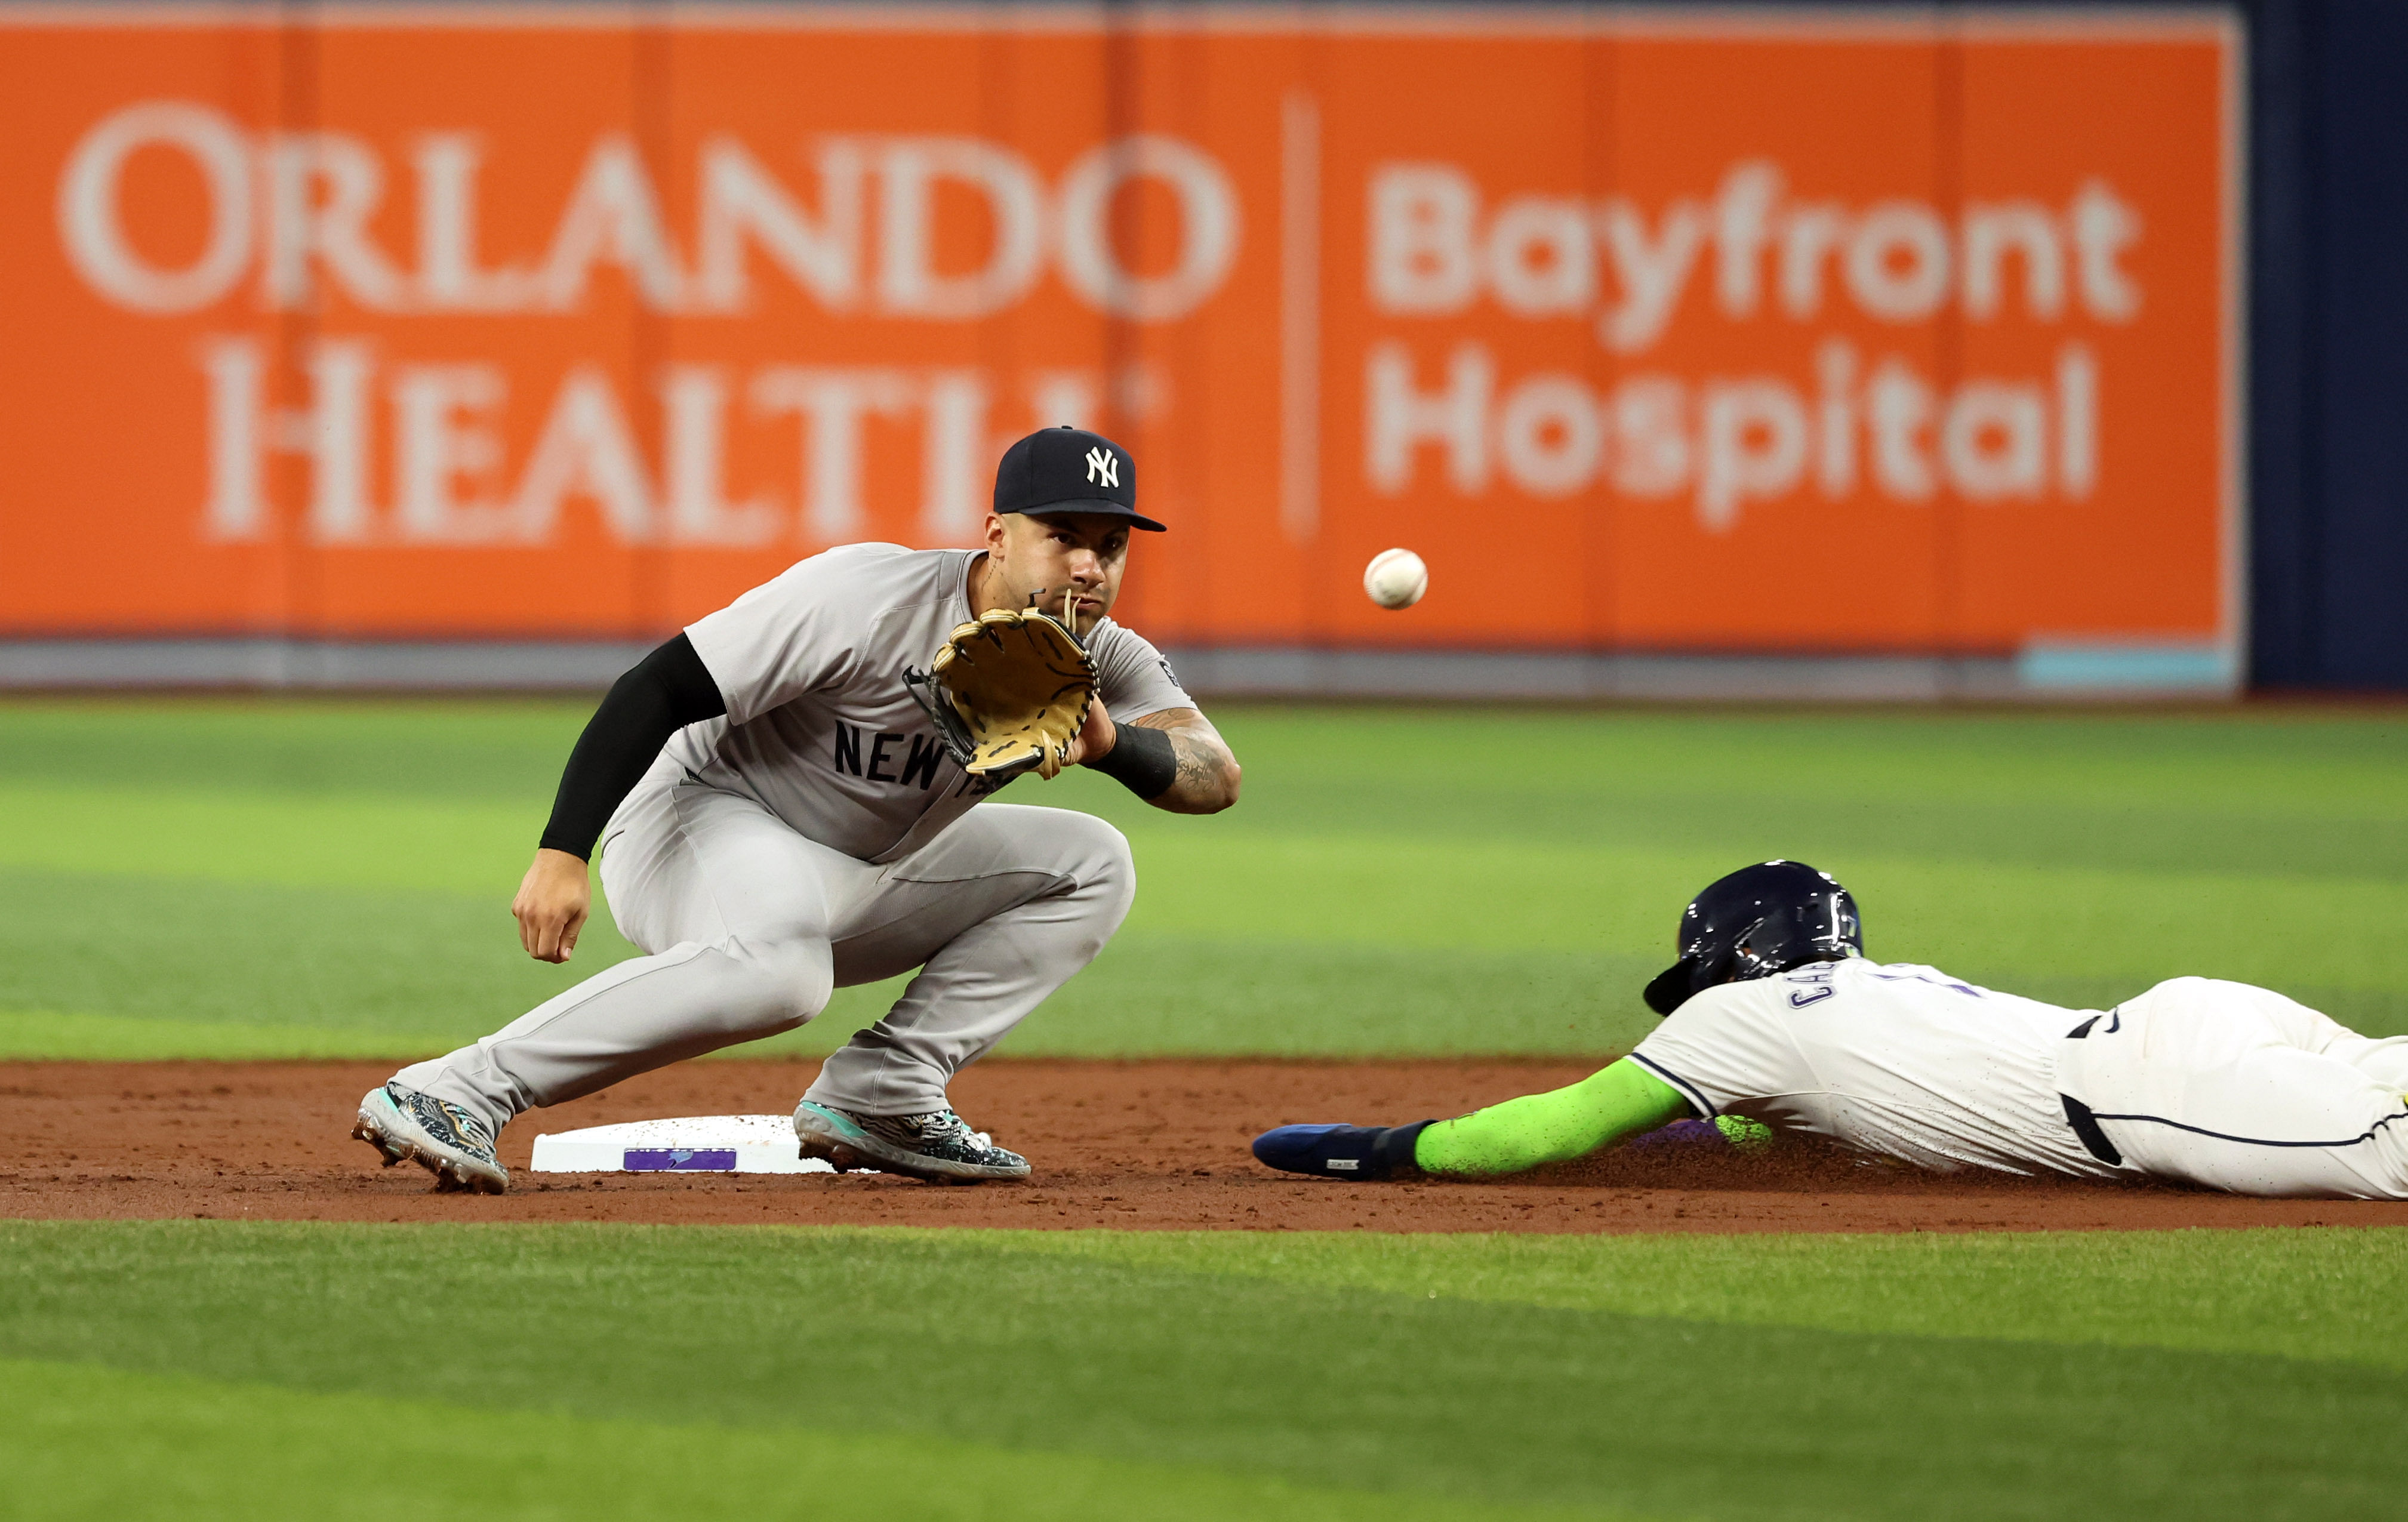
1120, 1144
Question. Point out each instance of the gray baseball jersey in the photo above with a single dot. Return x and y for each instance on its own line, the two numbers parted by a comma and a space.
820, 729
815, 838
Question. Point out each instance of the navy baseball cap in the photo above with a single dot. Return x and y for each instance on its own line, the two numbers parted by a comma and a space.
1069, 469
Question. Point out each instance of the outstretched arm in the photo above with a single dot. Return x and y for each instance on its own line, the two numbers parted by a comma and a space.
1208, 768
1173, 759
665, 691
1601, 1111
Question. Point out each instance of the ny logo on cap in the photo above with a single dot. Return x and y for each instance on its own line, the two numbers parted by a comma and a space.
1103, 466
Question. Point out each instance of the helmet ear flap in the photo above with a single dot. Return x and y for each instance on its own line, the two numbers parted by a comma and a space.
1671, 987
1692, 974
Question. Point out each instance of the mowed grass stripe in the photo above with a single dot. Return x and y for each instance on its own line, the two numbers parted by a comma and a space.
1332, 957
1402, 889
1335, 1386
116, 967
53, 1035
507, 749
2324, 1296
2251, 763
78, 1441
419, 969
1411, 881
1330, 883
295, 841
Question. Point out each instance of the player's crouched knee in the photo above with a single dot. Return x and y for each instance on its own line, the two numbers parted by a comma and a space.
1100, 862
783, 984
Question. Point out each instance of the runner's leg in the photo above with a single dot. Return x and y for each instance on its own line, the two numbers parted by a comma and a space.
2240, 1088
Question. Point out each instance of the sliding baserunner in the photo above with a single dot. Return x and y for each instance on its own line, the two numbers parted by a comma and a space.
782, 814
1773, 1016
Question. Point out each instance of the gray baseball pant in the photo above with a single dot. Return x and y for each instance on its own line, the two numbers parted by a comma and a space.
748, 927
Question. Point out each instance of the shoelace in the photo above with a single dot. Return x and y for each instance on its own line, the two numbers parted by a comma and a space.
944, 1125
939, 1126
469, 1131
935, 1127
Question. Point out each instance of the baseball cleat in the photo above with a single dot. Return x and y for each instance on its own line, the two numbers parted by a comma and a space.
938, 1145
440, 1137
1341, 1151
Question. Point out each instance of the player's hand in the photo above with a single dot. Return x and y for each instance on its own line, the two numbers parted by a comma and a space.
554, 900
1096, 737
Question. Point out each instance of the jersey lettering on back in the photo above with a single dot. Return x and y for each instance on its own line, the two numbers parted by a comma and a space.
1817, 982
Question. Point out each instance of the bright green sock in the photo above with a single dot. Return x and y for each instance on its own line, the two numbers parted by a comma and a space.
1604, 1108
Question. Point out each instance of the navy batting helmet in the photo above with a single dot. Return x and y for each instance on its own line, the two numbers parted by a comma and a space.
1756, 922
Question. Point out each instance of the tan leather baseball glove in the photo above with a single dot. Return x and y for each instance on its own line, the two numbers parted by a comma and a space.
1008, 692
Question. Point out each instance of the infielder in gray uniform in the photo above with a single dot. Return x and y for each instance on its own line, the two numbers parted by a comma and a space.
779, 819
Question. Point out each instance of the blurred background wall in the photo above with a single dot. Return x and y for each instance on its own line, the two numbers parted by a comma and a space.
1883, 352
2329, 344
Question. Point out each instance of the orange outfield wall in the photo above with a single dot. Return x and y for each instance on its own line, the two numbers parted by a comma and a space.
1832, 334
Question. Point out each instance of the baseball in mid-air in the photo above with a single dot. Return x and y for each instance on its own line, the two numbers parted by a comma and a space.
1395, 579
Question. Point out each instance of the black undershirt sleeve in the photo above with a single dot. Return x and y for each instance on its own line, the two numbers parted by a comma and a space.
661, 694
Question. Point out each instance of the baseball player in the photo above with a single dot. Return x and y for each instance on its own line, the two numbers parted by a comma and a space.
780, 816
1773, 1018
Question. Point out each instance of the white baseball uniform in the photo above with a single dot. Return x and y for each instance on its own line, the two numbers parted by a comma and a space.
2198, 1081
821, 835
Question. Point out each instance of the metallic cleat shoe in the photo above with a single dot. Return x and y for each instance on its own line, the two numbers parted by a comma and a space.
440, 1137
938, 1145
1341, 1151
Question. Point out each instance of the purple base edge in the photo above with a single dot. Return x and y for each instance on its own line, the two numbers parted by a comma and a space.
679, 1159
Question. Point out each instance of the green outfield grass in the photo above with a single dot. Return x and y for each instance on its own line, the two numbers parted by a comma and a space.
228, 878
243, 879
190, 1368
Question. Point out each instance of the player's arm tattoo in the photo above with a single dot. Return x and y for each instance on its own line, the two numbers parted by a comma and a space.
1208, 776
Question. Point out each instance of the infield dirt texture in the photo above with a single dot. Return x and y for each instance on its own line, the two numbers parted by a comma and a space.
1136, 1145
222, 920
